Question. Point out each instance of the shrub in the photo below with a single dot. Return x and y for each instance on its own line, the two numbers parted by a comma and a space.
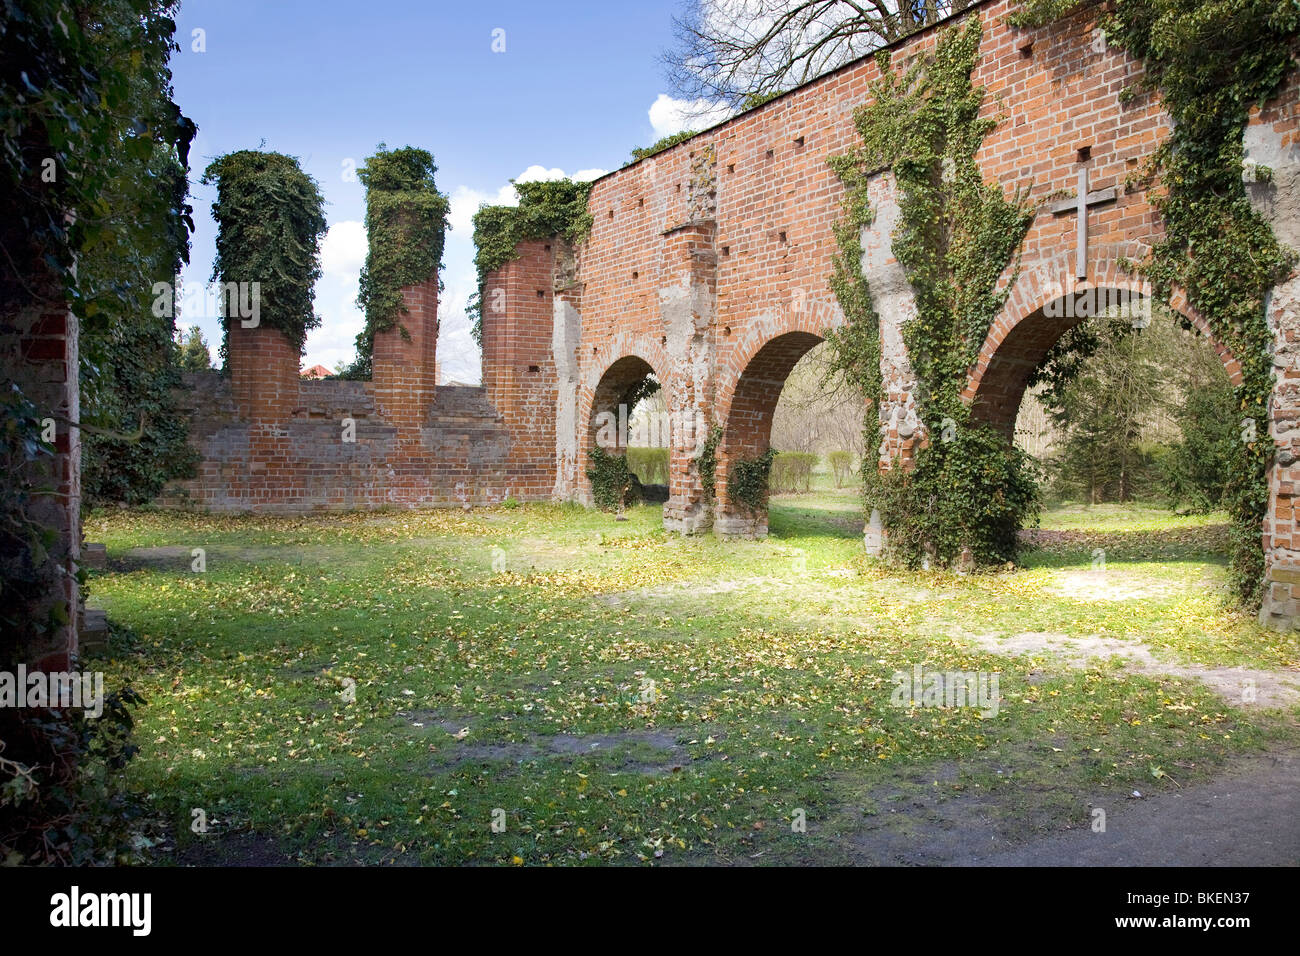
612, 483
792, 472
747, 482
649, 464
842, 465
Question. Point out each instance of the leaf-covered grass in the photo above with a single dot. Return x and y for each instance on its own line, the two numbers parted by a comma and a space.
611, 693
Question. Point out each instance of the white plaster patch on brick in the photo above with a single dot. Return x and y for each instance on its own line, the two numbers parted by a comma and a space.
565, 334
1277, 199
895, 303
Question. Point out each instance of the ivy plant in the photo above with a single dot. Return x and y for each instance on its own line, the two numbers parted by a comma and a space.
969, 490
270, 219
555, 208
406, 225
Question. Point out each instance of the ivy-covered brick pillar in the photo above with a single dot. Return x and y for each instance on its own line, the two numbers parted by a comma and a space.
901, 428
1281, 597
519, 305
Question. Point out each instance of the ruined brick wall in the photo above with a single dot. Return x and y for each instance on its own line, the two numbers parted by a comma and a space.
269, 441
707, 266
708, 263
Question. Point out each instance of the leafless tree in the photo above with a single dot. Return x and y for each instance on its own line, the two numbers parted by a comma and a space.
738, 52
816, 415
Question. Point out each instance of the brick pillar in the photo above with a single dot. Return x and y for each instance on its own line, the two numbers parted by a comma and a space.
688, 287
519, 368
263, 366
1281, 531
1271, 141
405, 366
39, 352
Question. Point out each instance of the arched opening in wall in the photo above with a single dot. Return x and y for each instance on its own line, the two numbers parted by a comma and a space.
629, 420
1127, 408
745, 468
817, 430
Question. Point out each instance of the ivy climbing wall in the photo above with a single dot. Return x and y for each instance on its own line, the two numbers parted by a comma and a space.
709, 262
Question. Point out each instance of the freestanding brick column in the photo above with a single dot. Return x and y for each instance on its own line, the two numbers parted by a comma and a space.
263, 372
519, 366
263, 367
405, 365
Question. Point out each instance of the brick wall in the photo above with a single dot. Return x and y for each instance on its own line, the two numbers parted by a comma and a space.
707, 266
708, 262
269, 441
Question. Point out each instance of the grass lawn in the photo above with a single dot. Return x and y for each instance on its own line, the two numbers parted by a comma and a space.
542, 684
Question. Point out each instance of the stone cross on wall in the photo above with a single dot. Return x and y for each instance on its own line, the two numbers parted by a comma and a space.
1079, 205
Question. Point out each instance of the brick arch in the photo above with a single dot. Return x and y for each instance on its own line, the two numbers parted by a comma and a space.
735, 359
607, 374
747, 410
1032, 321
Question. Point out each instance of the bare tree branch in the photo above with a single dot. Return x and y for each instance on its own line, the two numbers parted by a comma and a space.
735, 51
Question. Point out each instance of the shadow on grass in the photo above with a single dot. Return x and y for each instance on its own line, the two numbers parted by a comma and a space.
1206, 544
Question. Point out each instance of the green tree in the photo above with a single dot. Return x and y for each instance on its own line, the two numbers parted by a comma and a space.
192, 351
1103, 413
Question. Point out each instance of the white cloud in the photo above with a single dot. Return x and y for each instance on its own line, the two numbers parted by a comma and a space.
465, 202
343, 249
669, 115
343, 252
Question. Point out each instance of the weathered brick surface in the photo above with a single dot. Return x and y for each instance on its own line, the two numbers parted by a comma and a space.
707, 266
272, 442
39, 352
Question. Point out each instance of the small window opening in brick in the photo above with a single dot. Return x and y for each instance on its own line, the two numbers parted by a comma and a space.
679, 187
534, 368
547, 247
781, 237
593, 350
727, 330
726, 250
663, 340
1027, 50
635, 276
1085, 153
611, 214
541, 293
731, 167
798, 141
640, 202
771, 153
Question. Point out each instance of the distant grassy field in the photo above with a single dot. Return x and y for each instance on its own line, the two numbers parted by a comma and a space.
542, 684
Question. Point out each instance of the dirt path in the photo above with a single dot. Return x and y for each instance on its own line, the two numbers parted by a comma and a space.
1249, 816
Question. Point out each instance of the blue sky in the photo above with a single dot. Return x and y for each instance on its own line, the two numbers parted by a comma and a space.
578, 86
